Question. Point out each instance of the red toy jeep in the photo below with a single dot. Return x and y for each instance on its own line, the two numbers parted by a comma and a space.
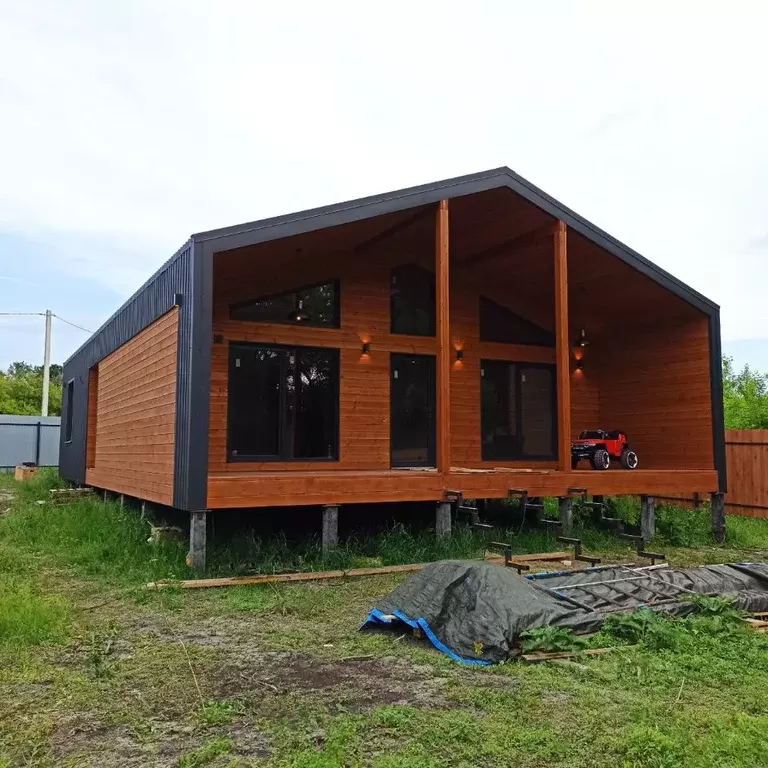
600, 447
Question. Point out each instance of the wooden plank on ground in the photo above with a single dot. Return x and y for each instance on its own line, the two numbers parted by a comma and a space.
276, 578
534, 658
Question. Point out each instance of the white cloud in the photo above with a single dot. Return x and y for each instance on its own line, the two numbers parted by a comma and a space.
139, 123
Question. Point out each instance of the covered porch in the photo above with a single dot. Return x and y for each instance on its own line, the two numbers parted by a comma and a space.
525, 330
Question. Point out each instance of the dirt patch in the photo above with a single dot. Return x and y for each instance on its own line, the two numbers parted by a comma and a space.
116, 746
104, 745
358, 683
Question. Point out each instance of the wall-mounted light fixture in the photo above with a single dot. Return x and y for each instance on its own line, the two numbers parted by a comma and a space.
299, 314
366, 348
579, 365
459, 354
582, 341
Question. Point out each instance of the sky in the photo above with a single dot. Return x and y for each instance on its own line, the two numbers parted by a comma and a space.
126, 127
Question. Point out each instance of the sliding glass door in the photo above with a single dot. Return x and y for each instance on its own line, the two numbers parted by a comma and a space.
412, 410
517, 410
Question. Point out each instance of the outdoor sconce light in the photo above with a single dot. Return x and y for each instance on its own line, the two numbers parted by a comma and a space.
299, 315
366, 348
459, 354
583, 341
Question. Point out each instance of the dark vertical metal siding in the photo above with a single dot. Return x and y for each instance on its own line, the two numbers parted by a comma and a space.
190, 482
156, 297
716, 391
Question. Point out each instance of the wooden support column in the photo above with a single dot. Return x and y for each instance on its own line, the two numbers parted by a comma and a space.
565, 505
647, 518
442, 311
197, 540
443, 520
718, 517
562, 349
330, 528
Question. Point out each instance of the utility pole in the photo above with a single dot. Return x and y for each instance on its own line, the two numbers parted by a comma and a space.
46, 363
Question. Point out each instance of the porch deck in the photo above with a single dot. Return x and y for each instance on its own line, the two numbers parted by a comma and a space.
288, 488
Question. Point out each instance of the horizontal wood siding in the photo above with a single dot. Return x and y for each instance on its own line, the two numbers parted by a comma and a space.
135, 415
364, 386
229, 490
654, 385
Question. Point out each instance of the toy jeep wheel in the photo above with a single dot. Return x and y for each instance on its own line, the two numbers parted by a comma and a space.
574, 462
628, 459
601, 459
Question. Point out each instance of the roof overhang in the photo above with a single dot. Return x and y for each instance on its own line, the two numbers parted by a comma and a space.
253, 233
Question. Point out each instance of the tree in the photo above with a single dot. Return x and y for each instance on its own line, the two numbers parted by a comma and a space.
21, 389
745, 397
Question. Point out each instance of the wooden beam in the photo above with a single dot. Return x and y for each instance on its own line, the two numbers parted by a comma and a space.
442, 308
400, 226
517, 243
562, 348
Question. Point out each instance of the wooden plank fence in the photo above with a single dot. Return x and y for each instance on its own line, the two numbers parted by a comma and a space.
746, 456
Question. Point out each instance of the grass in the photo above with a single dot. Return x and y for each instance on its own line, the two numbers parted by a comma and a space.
95, 670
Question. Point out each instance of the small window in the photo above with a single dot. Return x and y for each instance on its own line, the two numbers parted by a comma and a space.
497, 323
517, 411
316, 305
70, 406
412, 304
283, 403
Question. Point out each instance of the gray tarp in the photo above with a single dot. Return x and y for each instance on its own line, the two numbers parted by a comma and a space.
476, 612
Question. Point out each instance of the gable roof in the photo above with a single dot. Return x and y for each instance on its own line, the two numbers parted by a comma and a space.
264, 230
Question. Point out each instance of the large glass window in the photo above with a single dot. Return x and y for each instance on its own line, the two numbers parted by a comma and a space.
412, 305
497, 323
517, 410
283, 403
313, 305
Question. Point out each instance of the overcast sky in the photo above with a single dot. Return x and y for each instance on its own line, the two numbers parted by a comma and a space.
127, 126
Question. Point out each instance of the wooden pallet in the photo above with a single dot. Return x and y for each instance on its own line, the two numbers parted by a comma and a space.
62, 496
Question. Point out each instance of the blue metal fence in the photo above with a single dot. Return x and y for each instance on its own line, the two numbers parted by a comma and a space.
29, 439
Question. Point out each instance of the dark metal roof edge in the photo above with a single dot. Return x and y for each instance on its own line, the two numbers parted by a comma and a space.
348, 205
456, 187
128, 301
600, 237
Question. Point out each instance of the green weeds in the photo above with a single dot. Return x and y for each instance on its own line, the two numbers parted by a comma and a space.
28, 617
551, 640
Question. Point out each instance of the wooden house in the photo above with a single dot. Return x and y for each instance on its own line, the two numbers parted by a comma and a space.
452, 337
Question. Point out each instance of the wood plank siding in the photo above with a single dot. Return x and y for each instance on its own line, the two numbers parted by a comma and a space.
265, 488
131, 420
364, 390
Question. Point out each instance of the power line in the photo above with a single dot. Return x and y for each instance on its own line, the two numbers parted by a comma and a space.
42, 314
74, 325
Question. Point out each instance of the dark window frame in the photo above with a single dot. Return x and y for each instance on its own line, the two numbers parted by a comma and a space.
519, 455
286, 431
336, 283
547, 339
431, 460
70, 407
433, 297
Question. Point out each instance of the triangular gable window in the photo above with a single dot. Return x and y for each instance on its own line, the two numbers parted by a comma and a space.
497, 323
316, 305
